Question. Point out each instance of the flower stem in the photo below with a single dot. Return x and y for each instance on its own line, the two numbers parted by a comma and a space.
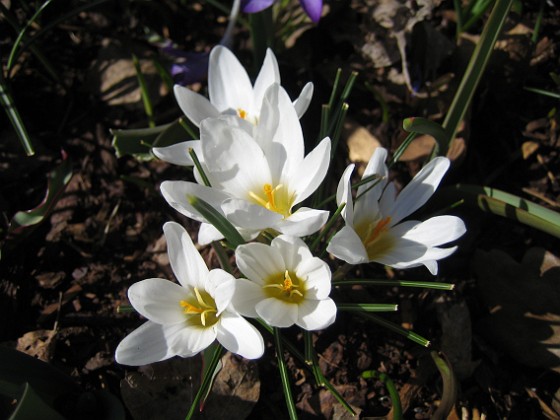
206, 381
370, 282
284, 375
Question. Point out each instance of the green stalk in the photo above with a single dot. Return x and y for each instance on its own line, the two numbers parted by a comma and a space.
328, 226
14, 117
284, 375
213, 217
206, 381
475, 69
11, 57
396, 328
311, 358
262, 34
391, 389
188, 128
198, 166
148, 107
368, 307
369, 282
222, 257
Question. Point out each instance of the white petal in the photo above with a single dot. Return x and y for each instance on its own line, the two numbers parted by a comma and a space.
268, 75
346, 245
302, 102
239, 336
420, 189
259, 261
317, 275
310, 173
286, 150
192, 340
429, 259
375, 166
176, 194
207, 234
292, 249
195, 106
248, 215
186, 262
278, 313
387, 201
246, 296
303, 222
229, 86
221, 286
344, 195
158, 300
178, 154
146, 344
316, 314
437, 230
235, 162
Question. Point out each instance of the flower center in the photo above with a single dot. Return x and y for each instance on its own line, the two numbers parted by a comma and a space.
244, 115
373, 236
201, 308
285, 286
275, 199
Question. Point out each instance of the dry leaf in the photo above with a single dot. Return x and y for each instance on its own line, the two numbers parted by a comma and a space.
166, 389
523, 303
528, 148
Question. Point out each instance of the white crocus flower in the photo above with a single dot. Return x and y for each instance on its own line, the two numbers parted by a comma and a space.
286, 285
231, 93
257, 180
185, 318
374, 228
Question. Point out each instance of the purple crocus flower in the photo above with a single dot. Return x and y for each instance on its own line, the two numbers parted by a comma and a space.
312, 8
192, 68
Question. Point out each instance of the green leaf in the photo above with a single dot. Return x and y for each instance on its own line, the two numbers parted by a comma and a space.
138, 142
146, 100
396, 328
58, 180
17, 368
424, 126
503, 204
284, 375
391, 389
213, 217
449, 394
475, 69
30, 404
207, 356
368, 307
404, 283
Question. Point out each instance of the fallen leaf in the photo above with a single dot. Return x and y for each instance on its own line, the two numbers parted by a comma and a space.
166, 389
522, 300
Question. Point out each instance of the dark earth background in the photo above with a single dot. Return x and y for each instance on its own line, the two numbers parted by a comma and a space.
61, 284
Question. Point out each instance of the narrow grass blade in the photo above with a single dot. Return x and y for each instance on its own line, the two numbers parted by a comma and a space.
403, 146
475, 69
199, 167
14, 117
370, 282
30, 403
368, 307
136, 141
208, 357
146, 100
543, 92
396, 328
284, 375
11, 56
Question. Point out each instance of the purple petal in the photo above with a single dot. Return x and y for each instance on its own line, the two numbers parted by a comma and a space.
313, 8
254, 6
194, 69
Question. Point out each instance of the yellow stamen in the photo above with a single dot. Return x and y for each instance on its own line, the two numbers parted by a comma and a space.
379, 228
242, 113
275, 199
203, 308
